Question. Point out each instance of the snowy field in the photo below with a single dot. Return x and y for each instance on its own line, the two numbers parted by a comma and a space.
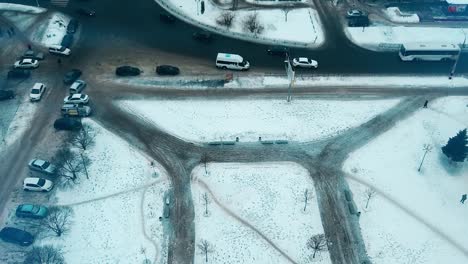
416, 217
303, 25
215, 120
372, 36
269, 197
108, 221
395, 15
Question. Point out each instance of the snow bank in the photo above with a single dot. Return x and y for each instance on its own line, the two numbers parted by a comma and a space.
21, 8
56, 29
416, 217
396, 15
108, 221
374, 36
214, 120
276, 29
269, 196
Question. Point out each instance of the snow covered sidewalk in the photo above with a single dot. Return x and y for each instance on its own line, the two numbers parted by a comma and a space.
414, 217
302, 28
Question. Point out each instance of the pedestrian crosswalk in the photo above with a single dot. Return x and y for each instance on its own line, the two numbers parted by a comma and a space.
62, 3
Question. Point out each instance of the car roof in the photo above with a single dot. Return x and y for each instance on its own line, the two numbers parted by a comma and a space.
76, 83
28, 60
77, 95
31, 180
26, 207
37, 85
39, 162
303, 59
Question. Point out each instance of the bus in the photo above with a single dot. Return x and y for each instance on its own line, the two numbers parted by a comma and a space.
429, 52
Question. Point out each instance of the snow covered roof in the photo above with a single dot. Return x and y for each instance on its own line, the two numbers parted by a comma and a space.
457, 2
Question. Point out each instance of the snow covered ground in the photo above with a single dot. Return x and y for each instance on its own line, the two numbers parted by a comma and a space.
56, 29
108, 221
21, 8
373, 36
268, 196
303, 26
416, 217
215, 120
396, 15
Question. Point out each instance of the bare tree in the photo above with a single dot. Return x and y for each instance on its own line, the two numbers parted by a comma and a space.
206, 201
252, 24
317, 243
307, 196
84, 137
427, 148
235, 4
369, 194
58, 220
225, 19
205, 248
286, 9
44, 255
70, 165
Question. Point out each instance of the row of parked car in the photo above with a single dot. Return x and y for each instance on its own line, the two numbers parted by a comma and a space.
32, 211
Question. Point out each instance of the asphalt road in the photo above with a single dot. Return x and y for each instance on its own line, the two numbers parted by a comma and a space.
138, 20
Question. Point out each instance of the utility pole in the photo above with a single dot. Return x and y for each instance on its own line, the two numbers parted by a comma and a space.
84, 165
291, 75
454, 67
427, 148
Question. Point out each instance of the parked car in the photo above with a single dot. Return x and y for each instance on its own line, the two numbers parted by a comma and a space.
127, 71
167, 70
29, 54
37, 184
6, 94
75, 110
167, 18
278, 50
67, 41
71, 76
203, 36
359, 21
85, 12
305, 63
76, 99
37, 91
31, 211
77, 86
27, 64
18, 73
66, 123
16, 236
72, 26
354, 13
41, 166
59, 50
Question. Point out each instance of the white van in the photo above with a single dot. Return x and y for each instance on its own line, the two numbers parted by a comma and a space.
57, 49
231, 61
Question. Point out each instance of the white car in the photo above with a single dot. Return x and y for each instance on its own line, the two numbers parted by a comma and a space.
305, 63
76, 99
37, 184
37, 91
60, 50
41, 166
77, 86
354, 13
27, 64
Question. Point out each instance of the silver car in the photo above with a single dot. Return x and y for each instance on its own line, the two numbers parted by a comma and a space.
42, 166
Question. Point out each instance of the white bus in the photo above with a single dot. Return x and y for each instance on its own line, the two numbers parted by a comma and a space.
429, 52
231, 61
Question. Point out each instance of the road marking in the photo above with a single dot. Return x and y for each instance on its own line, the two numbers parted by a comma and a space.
62, 3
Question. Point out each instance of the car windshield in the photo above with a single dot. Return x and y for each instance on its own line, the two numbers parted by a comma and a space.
41, 182
35, 91
45, 165
243, 63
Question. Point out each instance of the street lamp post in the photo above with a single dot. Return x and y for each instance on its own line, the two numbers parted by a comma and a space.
37, 3
291, 74
454, 67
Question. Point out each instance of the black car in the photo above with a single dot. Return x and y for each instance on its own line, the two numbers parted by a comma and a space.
66, 123
127, 71
167, 18
18, 73
278, 50
6, 94
167, 70
30, 54
72, 26
203, 36
359, 21
85, 12
67, 41
71, 76
16, 236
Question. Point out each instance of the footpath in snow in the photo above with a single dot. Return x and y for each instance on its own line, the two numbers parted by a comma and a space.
302, 28
414, 217
273, 119
269, 197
